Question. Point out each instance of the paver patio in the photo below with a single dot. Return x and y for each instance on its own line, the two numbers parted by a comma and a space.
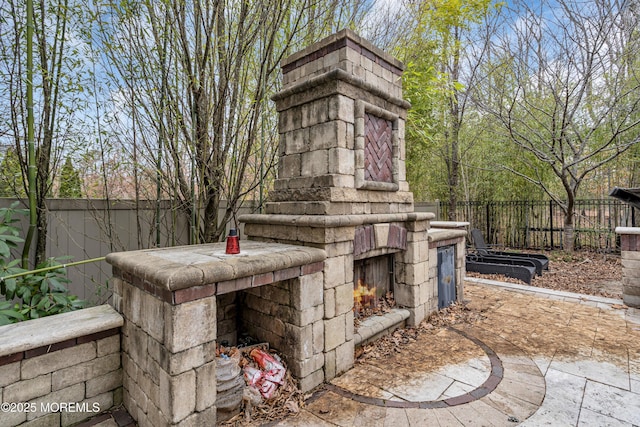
537, 357
566, 360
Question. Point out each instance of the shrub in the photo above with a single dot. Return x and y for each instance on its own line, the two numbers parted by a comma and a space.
29, 294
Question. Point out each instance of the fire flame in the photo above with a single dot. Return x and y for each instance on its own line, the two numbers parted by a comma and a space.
363, 297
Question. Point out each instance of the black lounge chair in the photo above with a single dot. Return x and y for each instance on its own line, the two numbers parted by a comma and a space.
541, 261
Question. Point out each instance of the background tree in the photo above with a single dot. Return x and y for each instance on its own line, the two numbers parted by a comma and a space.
70, 184
195, 83
566, 92
57, 77
11, 175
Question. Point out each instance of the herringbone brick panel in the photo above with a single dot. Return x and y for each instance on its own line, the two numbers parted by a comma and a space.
378, 149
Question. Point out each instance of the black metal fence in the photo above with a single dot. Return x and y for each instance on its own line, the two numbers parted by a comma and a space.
540, 224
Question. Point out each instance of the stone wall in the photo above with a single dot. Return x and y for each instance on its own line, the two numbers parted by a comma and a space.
630, 254
62, 369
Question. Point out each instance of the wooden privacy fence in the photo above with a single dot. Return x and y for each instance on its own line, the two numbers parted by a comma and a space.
540, 224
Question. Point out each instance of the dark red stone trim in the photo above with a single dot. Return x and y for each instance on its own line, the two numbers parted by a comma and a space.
194, 293
11, 358
38, 351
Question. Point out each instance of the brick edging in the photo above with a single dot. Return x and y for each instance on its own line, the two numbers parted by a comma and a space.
39, 351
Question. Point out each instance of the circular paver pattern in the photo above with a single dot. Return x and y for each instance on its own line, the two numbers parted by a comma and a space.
475, 377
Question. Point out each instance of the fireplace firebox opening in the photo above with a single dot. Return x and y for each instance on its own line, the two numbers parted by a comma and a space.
373, 285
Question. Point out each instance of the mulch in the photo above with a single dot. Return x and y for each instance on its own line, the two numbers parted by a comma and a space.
581, 272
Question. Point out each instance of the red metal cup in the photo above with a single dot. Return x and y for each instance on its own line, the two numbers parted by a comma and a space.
233, 243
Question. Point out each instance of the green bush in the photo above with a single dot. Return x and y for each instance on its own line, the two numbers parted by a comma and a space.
29, 294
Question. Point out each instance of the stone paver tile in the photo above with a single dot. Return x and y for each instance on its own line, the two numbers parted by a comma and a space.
423, 387
304, 418
554, 411
487, 412
335, 409
542, 363
370, 415
532, 393
456, 389
600, 371
474, 372
446, 418
564, 386
364, 382
520, 364
510, 405
613, 402
396, 417
421, 417
589, 418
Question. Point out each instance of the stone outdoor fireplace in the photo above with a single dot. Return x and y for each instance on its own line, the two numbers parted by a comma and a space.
342, 187
339, 231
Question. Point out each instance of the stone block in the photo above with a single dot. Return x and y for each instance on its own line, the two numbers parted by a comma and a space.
297, 141
334, 272
186, 360
10, 419
289, 120
330, 365
84, 371
44, 406
349, 325
9, 374
131, 297
310, 382
339, 248
57, 360
290, 166
205, 418
334, 332
418, 314
152, 316
307, 291
318, 336
149, 386
26, 390
136, 345
406, 295
308, 316
104, 383
344, 298
316, 112
300, 340
108, 345
45, 421
341, 161
93, 406
177, 395
205, 386
342, 108
315, 163
190, 324
323, 136
330, 303
630, 255
345, 355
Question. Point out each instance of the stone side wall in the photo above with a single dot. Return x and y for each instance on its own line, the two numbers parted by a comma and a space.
71, 358
297, 324
168, 353
227, 314
630, 254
